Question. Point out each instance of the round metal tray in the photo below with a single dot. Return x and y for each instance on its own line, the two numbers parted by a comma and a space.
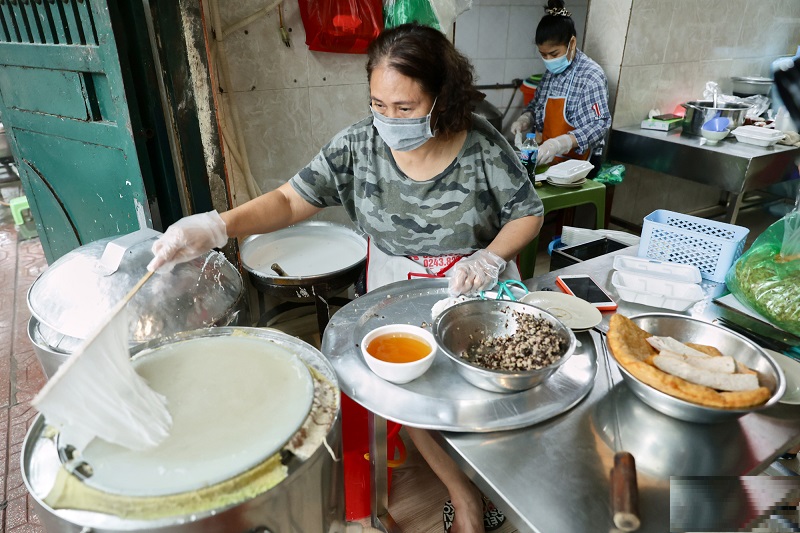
441, 399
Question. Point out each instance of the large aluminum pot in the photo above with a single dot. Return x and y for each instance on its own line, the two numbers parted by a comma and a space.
306, 494
698, 112
69, 299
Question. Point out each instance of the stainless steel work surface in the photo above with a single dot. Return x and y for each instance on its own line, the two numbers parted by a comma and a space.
729, 165
441, 398
554, 476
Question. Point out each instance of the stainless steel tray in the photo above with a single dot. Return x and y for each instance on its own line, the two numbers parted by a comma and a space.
441, 399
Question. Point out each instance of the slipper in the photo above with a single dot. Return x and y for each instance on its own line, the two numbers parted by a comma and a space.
493, 518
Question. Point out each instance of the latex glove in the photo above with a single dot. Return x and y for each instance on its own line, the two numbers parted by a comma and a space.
553, 147
478, 272
188, 238
522, 124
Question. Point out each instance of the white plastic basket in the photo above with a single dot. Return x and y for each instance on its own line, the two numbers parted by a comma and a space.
677, 238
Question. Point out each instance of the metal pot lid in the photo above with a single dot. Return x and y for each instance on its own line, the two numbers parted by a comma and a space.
77, 291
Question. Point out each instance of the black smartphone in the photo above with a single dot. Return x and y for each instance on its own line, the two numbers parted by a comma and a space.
585, 288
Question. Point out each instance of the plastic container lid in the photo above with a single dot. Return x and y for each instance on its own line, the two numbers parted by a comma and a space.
757, 132
656, 292
572, 168
658, 269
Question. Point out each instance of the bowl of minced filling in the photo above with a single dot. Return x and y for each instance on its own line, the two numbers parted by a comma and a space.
501, 345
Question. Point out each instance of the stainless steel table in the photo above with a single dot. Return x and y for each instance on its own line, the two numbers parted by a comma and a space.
553, 476
731, 166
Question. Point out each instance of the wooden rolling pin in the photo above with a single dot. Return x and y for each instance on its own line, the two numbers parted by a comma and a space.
624, 493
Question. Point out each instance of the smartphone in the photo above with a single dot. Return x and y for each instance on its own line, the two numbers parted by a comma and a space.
585, 288
668, 116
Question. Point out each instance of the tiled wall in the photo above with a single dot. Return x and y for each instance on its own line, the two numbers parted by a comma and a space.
659, 53
291, 101
497, 35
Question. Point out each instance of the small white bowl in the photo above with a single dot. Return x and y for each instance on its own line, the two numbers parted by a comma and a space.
714, 137
399, 372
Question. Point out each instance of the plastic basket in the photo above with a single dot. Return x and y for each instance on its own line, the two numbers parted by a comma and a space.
709, 245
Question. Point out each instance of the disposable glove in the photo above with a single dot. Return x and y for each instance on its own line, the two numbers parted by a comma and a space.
522, 124
478, 272
553, 147
188, 238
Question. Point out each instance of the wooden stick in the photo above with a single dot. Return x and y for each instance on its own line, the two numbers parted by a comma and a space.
624, 493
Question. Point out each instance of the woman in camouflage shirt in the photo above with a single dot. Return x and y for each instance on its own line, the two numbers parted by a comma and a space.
437, 190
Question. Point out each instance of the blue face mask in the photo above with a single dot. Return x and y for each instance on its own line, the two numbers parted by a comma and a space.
559, 64
403, 134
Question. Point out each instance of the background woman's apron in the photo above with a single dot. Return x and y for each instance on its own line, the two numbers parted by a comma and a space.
556, 123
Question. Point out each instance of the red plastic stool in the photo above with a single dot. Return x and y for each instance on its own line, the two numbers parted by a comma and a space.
355, 445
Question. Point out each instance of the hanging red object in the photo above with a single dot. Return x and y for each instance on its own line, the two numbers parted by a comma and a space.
342, 26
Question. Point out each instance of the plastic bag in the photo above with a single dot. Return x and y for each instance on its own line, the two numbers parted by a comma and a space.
767, 276
758, 103
342, 26
438, 14
610, 174
397, 12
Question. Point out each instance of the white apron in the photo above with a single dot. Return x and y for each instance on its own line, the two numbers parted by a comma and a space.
383, 268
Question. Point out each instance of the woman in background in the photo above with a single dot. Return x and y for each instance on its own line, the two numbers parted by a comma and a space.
570, 109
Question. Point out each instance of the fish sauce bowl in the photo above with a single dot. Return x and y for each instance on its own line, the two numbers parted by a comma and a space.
460, 327
408, 339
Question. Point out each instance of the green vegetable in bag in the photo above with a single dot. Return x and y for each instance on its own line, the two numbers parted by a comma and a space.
397, 12
767, 276
610, 174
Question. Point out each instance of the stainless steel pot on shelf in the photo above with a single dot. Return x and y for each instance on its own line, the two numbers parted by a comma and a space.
308, 496
698, 112
78, 290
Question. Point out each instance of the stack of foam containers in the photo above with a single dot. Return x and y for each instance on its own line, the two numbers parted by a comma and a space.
657, 283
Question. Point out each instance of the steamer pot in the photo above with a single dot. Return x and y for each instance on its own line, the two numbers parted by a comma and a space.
78, 290
701, 111
319, 258
309, 498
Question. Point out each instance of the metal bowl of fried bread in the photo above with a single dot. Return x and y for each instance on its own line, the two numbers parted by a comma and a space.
721, 376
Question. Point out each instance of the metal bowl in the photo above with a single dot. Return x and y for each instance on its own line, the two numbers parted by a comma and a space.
469, 322
688, 329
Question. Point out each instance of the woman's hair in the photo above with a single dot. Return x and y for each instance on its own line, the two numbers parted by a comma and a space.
425, 55
556, 26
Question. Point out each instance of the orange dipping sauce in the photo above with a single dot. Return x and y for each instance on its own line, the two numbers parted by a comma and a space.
398, 348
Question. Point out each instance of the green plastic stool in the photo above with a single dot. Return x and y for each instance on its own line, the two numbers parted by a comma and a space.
555, 198
18, 205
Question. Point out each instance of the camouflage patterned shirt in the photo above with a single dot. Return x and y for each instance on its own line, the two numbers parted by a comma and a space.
457, 212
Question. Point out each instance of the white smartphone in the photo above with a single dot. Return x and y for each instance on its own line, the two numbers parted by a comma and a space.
585, 288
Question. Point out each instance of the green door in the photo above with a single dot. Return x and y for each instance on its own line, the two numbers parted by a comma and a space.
63, 102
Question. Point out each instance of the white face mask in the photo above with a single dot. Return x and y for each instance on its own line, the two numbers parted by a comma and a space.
403, 134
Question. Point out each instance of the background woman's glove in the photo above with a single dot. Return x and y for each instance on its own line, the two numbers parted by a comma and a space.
522, 124
553, 147
478, 272
188, 238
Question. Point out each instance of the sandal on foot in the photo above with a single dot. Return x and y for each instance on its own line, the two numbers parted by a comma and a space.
493, 518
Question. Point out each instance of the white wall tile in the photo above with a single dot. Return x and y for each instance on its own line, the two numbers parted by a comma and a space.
466, 38
522, 68
606, 30
648, 32
276, 130
579, 17
489, 71
336, 69
492, 32
521, 32
334, 108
